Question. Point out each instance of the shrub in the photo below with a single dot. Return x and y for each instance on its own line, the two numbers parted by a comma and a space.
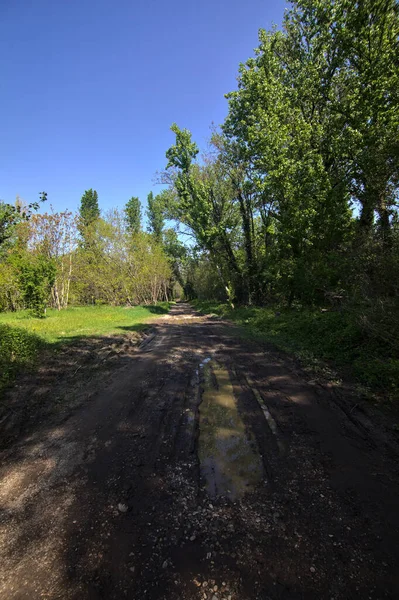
18, 350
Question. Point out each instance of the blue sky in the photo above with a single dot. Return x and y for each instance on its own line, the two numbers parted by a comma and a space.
89, 89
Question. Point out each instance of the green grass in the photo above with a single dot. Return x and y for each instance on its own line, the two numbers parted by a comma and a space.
22, 337
327, 342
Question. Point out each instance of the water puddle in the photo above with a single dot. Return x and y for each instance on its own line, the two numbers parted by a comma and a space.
230, 462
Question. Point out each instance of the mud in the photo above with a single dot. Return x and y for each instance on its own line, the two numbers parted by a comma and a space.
230, 462
160, 478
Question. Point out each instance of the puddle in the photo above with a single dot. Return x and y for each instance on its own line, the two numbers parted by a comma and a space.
230, 462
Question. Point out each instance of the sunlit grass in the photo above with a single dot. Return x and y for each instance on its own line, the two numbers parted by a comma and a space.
23, 337
83, 321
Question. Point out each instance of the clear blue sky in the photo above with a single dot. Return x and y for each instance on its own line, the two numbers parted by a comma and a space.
89, 88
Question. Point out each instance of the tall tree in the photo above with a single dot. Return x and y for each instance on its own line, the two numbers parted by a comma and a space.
203, 202
133, 215
89, 211
155, 214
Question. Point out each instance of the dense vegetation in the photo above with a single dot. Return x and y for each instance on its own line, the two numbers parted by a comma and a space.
294, 203
296, 198
58, 259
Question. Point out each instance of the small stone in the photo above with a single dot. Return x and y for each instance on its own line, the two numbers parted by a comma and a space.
204, 584
122, 507
192, 538
312, 570
215, 588
132, 569
164, 564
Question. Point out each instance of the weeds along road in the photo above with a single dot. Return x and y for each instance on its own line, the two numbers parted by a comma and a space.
202, 467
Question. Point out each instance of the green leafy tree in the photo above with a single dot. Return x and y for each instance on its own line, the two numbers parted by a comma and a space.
11, 215
89, 215
202, 202
133, 215
155, 214
36, 276
89, 211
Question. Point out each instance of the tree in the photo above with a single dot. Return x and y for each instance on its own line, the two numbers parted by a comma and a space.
36, 274
133, 215
369, 34
203, 203
89, 211
54, 235
155, 214
11, 215
283, 121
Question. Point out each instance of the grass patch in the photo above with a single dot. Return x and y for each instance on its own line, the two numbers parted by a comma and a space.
322, 340
22, 337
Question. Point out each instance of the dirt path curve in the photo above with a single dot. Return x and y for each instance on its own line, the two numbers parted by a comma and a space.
206, 468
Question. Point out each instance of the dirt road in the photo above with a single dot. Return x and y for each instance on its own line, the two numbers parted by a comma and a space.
204, 468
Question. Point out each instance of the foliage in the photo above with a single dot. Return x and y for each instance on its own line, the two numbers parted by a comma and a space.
55, 236
47, 265
89, 210
133, 215
120, 267
204, 203
155, 214
18, 351
11, 215
36, 276
304, 175
89, 213
10, 294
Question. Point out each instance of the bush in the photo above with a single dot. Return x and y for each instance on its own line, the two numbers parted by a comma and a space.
18, 350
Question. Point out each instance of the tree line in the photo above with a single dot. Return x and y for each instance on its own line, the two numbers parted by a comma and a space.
59, 258
295, 199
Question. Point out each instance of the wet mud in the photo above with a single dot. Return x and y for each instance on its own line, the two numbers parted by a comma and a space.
230, 462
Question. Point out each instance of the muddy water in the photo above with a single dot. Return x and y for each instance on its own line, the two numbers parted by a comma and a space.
230, 462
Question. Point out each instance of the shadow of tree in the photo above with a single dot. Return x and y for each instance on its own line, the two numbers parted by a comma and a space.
157, 309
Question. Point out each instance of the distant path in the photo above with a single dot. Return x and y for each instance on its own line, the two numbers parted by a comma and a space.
206, 468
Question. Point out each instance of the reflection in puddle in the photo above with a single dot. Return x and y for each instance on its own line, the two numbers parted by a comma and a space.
230, 462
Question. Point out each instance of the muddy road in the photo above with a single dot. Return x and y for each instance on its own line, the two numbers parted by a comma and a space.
204, 467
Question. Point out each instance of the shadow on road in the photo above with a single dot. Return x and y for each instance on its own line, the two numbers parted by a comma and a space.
108, 502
